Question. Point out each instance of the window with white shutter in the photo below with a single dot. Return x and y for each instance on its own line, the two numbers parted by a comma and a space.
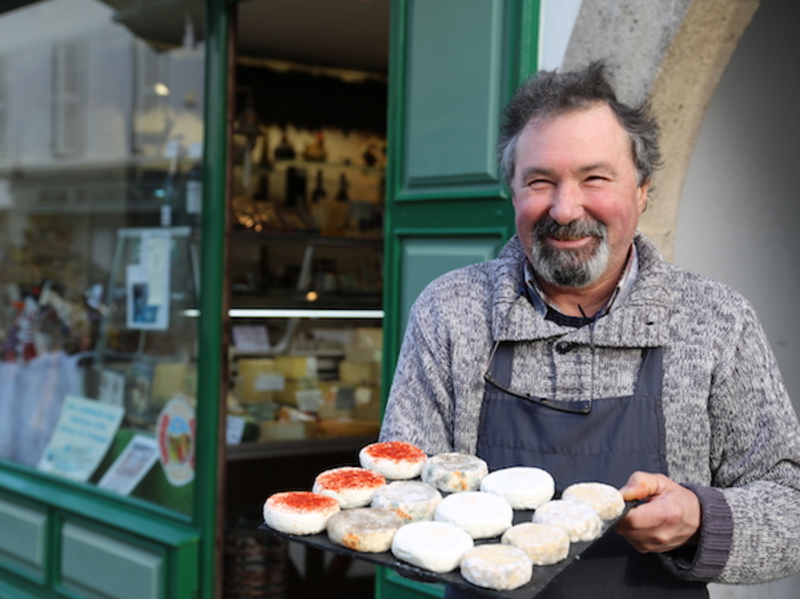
152, 95
69, 118
3, 106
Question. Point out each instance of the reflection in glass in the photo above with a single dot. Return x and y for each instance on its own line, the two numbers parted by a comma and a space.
101, 133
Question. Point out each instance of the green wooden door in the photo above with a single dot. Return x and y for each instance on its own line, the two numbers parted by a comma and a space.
454, 64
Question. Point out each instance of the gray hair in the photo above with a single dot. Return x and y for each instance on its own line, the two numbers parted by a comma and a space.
549, 94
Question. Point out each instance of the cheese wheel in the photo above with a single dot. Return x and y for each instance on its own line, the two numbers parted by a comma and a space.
434, 546
299, 512
413, 501
498, 567
545, 545
350, 486
575, 518
454, 472
523, 487
396, 460
606, 500
364, 529
482, 515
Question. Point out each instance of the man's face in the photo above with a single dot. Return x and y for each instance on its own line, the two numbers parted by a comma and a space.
576, 197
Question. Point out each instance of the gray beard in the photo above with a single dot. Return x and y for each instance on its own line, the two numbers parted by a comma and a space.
570, 268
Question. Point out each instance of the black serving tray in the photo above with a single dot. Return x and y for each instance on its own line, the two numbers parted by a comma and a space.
542, 575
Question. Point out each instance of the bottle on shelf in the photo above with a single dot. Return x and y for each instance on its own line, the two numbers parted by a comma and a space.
284, 150
318, 193
343, 194
318, 201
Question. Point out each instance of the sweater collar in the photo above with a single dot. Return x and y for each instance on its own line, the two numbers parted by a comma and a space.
640, 320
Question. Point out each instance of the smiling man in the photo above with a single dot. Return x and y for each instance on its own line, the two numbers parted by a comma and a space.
580, 350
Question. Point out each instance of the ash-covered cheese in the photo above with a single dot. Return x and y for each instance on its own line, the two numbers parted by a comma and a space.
412, 500
545, 545
364, 529
454, 472
498, 567
575, 518
606, 500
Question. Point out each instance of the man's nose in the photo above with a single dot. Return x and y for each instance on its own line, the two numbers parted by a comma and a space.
566, 204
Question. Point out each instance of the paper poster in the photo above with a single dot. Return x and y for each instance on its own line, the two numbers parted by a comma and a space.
82, 436
147, 284
175, 432
131, 466
112, 388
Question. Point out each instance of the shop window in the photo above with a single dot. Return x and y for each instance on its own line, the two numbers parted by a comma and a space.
98, 292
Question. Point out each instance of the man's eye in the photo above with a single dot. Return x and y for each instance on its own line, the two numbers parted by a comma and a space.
538, 183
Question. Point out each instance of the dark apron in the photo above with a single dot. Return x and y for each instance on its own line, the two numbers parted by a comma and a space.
616, 437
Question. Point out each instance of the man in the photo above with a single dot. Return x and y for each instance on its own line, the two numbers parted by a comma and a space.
582, 351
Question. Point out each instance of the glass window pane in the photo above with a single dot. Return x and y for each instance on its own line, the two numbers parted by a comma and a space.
101, 133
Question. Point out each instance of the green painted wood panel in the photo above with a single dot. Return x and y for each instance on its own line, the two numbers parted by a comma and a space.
23, 541
453, 65
99, 565
453, 92
425, 258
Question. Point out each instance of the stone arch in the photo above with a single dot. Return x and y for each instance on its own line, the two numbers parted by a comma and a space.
673, 53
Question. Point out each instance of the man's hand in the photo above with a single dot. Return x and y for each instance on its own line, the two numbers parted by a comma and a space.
669, 517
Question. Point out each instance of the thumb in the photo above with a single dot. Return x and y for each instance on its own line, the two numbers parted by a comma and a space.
640, 485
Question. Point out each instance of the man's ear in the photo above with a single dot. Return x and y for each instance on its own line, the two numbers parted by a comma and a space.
644, 192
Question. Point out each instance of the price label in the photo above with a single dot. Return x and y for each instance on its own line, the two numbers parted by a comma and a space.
270, 381
234, 430
309, 400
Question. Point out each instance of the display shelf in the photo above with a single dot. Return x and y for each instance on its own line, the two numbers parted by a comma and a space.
279, 165
272, 449
312, 237
298, 301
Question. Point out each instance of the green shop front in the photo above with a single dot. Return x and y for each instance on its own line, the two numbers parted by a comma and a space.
214, 218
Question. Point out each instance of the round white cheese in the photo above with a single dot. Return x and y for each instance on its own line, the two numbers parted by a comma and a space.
482, 515
523, 487
434, 546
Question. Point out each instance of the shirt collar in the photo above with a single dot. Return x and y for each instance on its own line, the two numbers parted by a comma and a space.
621, 291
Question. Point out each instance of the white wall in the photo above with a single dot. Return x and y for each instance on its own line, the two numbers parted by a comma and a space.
557, 19
740, 209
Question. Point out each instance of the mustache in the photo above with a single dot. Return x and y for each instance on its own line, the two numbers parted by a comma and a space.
584, 227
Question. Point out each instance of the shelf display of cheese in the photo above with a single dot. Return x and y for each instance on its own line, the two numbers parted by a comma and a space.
307, 396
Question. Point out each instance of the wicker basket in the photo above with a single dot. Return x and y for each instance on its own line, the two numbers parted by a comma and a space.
255, 563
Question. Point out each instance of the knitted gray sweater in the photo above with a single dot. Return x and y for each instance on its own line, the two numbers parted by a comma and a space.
731, 433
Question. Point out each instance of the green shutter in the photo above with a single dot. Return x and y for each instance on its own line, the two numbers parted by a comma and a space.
454, 64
